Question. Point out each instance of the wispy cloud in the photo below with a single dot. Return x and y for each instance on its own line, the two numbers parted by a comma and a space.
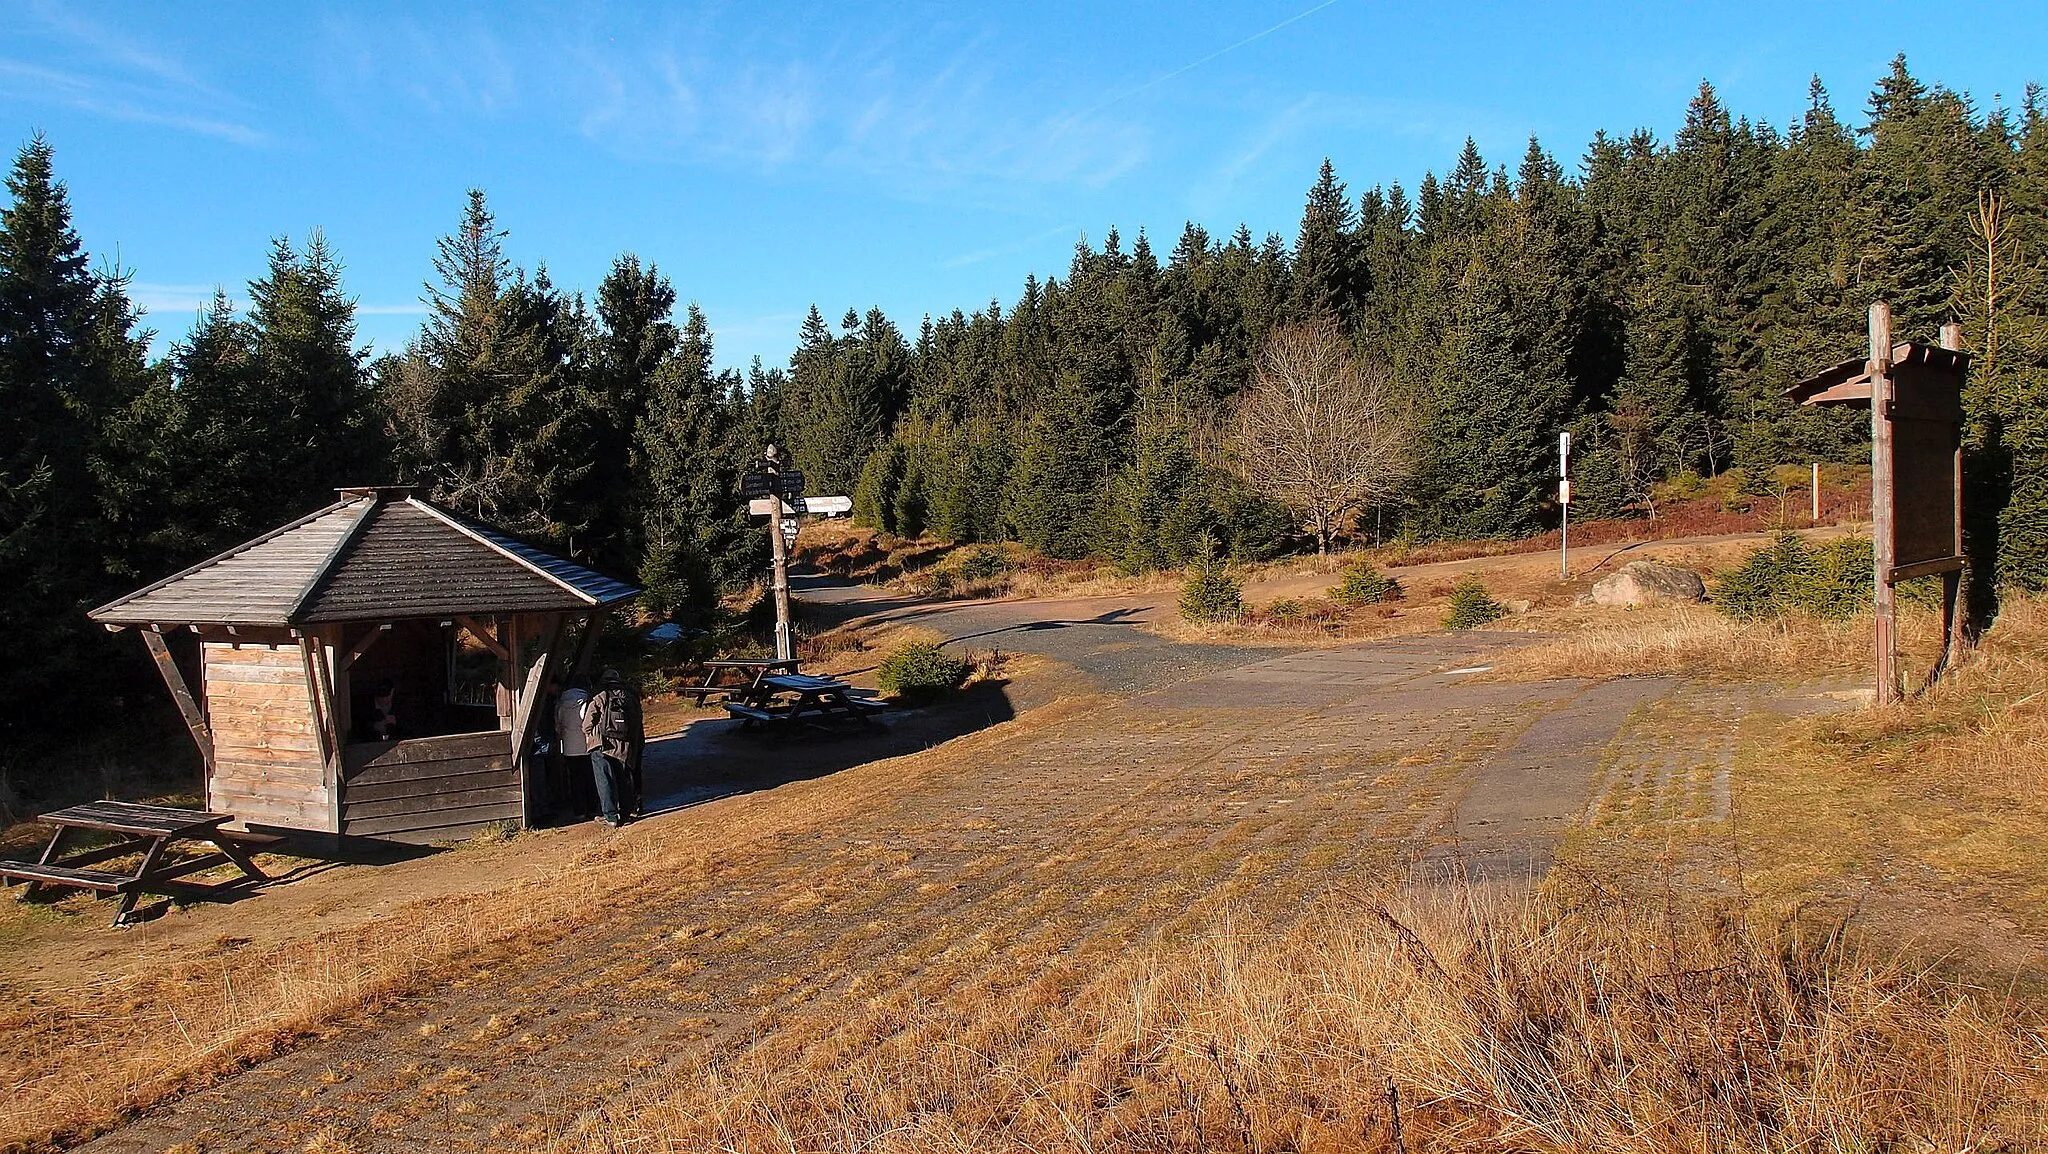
920, 109
771, 329
162, 297
104, 73
156, 297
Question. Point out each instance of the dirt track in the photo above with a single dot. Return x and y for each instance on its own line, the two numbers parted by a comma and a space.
1243, 793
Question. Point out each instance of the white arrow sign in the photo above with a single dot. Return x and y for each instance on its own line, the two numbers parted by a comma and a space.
815, 506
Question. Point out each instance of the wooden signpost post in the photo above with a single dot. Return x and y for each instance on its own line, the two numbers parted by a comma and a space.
1916, 475
777, 494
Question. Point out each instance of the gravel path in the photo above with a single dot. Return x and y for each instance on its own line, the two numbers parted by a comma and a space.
1103, 638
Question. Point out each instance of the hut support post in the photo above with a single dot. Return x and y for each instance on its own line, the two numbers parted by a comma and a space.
586, 645
188, 707
320, 686
1883, 536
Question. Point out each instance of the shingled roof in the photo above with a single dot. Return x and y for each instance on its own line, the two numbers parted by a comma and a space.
373, 555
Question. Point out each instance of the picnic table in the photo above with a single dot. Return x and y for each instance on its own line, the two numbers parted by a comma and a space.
798, 698
150, 830
737, 677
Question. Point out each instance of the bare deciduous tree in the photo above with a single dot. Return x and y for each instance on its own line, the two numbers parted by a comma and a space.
1321, 432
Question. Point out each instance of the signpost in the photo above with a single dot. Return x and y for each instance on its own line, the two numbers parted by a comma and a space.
777, 494
1564, 501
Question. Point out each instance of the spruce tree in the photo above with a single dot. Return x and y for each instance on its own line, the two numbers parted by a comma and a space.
306, 360
634, 335
688, 454
1063, 459
1328, 274
198, 470
70, 361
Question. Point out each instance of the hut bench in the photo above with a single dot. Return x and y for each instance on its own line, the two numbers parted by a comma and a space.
150, 830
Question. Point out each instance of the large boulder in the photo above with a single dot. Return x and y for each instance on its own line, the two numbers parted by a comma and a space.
1648, 583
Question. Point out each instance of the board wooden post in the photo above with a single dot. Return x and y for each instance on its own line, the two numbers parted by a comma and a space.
1952, 616
1883, 536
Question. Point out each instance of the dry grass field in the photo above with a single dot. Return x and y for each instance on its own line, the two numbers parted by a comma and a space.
1212, 918
1456, 1021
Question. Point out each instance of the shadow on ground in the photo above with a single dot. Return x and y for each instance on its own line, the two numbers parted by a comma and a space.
714, 758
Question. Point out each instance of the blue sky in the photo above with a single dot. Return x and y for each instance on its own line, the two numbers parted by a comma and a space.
919, 157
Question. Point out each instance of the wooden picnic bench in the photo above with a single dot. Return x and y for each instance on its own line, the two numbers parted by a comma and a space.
746, 674
149, 830
798, 698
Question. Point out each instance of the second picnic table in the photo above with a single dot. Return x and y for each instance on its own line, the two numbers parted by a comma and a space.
146, 829
820, 702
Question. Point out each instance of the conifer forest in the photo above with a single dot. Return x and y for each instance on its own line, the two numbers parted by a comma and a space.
1653, 296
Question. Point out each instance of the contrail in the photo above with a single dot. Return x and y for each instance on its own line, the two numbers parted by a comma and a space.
1158, 80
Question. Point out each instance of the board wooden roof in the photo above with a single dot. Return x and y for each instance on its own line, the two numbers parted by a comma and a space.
1850, 381
373, 555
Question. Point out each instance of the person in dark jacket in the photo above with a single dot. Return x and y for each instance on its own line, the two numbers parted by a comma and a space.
612, 727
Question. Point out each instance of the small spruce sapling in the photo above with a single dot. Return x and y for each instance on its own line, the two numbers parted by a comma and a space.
1364, 584
1211, 593
1472, 605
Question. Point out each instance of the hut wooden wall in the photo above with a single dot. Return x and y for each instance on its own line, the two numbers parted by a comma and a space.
430, 788
267, 769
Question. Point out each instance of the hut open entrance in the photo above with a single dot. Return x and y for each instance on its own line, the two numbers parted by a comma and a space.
377, 668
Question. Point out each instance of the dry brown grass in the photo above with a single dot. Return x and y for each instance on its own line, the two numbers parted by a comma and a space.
82, 1056
1696, 641
1932, 814
1459, 1023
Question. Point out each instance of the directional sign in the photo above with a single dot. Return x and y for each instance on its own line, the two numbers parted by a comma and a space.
756, 485
790, 483
812, 506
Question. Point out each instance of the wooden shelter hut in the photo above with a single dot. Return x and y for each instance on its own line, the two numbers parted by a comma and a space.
376, 668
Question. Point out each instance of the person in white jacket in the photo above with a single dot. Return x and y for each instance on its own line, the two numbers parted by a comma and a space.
574, 749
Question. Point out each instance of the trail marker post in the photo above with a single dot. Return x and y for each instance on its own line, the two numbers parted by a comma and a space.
777, 495
1564, 502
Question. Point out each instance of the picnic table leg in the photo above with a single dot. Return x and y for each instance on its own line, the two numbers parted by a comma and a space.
49, 855
150, 858
233, 851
